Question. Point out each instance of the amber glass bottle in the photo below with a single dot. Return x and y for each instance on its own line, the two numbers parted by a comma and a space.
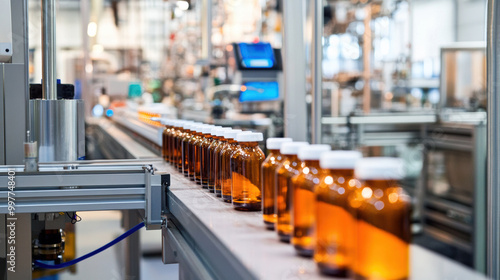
226, 173
169, 141
218, 160
192, 150
203, 157
303, 210
165, 151
169, 137
216, 140
335, 220
197, 154
183, 133
246, 186
284, 174
174, 158
189, 133
383, 221
268, 180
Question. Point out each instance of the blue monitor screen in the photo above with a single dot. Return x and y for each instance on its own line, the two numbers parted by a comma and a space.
259, 91
258, 55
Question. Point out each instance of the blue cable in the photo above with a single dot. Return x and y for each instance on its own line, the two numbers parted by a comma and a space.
84, 257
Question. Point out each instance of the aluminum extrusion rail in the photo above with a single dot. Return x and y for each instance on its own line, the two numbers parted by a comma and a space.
89, 189
383, 119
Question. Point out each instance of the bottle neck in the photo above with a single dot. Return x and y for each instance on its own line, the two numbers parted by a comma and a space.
380, 183
312, 164
292, 157
346, 173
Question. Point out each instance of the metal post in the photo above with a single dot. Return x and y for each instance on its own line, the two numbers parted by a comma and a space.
87, 63
317, 70
294, 62
132, 246
206, 35
493, 169
367, 49
49, 49
26, 70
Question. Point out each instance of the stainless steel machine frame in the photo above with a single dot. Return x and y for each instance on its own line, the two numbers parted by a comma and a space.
452, 212
14, 79
493, 168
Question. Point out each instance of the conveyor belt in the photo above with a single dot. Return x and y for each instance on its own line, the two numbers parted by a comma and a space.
211, 240
236, 245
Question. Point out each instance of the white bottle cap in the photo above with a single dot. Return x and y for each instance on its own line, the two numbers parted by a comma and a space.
249, 137
179, 123
231, 134
292, 148
313, 152
187, 124
214, 130
220, 132
275, 143
199, 128
339, 159
165, 121
379, 168
206, 129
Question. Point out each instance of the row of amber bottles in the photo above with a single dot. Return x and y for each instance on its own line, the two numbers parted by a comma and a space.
350, 213
223, 160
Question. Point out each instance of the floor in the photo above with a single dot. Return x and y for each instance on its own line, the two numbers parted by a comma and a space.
97, 229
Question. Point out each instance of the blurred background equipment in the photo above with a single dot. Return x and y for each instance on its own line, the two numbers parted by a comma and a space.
82, 104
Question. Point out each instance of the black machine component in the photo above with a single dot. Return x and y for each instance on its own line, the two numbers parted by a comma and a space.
49, 246
64, 91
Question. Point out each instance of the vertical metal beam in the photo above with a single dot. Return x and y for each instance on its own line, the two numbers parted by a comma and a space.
132, 246
317, 69
85, 17
15, 86
26, 70
206, 30
49, 49
479, 235
3, 121
14, 109
367, 50
6, 48
493, 169
294, 62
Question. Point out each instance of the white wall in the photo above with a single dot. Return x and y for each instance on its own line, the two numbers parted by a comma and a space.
433, 26
471, 20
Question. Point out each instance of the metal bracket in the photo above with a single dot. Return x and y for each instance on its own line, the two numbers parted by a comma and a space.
6, 31
153, 201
